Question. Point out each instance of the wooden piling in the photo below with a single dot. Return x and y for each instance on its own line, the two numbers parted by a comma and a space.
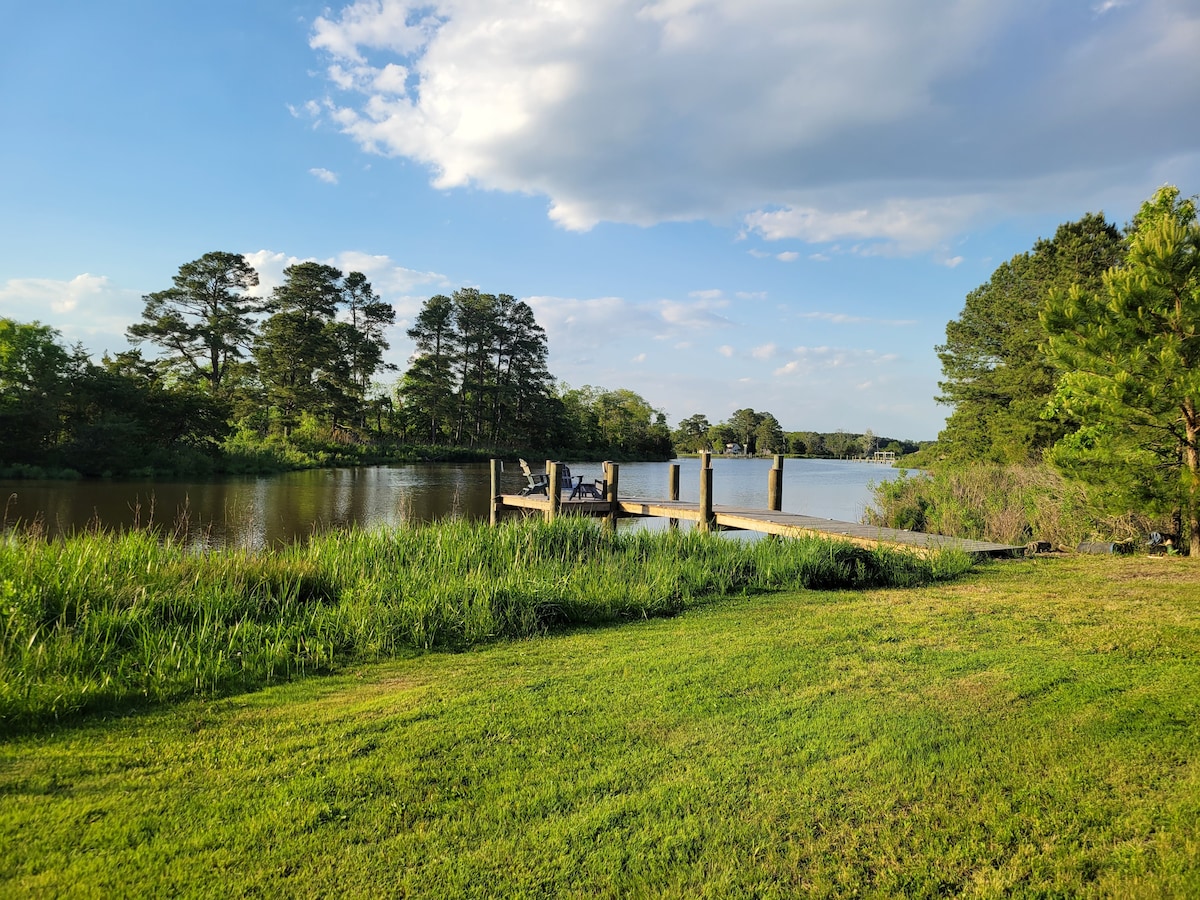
494, 504
611, 472
673, 491
707, 520
555, 491
775, 485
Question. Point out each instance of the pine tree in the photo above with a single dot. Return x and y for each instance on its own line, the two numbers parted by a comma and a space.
996, 375
1131, 353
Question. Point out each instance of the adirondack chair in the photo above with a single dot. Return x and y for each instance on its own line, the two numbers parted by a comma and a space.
539, 482
573, 487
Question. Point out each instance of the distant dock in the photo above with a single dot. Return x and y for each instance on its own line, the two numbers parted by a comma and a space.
709, 517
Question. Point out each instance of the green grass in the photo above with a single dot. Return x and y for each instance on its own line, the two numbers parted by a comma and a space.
1030, 730
101, 621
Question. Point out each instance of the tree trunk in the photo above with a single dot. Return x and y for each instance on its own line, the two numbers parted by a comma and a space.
1191, 460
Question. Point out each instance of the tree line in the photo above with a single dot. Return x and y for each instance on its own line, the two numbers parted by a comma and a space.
1083, 355
757, 433
237, 381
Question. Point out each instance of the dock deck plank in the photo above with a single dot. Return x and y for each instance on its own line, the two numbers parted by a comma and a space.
785, 524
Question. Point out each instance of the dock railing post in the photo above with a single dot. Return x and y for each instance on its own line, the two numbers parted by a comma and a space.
673, 490
706, 486
555, 491
494, 515
775, 485
612, 472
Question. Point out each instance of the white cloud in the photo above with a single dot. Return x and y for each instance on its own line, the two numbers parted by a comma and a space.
575, 327
846, 319
726, 351
905, 225
787, 256
58, 296
808, 361
88, 309
895, 123
324, 175
694, 315
394, 283
765, 351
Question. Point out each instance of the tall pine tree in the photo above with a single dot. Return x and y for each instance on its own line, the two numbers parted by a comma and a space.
1131, 354
995, 374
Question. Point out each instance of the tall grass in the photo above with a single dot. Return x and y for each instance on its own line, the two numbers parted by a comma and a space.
1011, 504
99, 620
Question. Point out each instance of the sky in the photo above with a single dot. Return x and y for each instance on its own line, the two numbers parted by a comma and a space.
775, 204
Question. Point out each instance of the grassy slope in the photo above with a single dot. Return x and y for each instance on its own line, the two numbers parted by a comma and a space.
1029, 730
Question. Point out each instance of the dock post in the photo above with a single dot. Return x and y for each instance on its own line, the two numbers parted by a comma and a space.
775, 485
673, 491
494, 503
611, 473
706, 486
555, 492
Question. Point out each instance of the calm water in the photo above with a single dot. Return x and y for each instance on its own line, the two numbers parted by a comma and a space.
260, 512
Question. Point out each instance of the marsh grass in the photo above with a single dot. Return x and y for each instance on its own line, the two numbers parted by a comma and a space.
101, 620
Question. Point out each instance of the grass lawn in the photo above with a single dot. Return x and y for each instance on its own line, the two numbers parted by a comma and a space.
1030, 730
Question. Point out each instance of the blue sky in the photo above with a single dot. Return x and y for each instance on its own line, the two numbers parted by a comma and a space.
716, 203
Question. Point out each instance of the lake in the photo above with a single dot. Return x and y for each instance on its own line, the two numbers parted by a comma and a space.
260, 512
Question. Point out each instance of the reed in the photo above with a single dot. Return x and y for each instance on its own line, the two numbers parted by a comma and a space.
101, 620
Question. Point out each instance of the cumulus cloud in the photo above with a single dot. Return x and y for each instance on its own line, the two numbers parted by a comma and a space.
324, 175
900, 225
57, 296
806, 361
88, 309
575, 327
892, 122
406, 289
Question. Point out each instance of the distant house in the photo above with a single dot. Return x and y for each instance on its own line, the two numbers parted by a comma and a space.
734, 449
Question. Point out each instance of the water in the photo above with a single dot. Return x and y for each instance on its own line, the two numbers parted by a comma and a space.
260, 512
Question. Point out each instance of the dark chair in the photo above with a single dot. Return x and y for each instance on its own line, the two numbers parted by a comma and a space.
539, 482
596, 489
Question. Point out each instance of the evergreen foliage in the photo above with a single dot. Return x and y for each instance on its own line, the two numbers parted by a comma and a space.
1131, 353
205, 321
995, 374
478, 375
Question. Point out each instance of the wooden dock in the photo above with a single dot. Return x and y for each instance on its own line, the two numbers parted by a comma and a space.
708, 516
